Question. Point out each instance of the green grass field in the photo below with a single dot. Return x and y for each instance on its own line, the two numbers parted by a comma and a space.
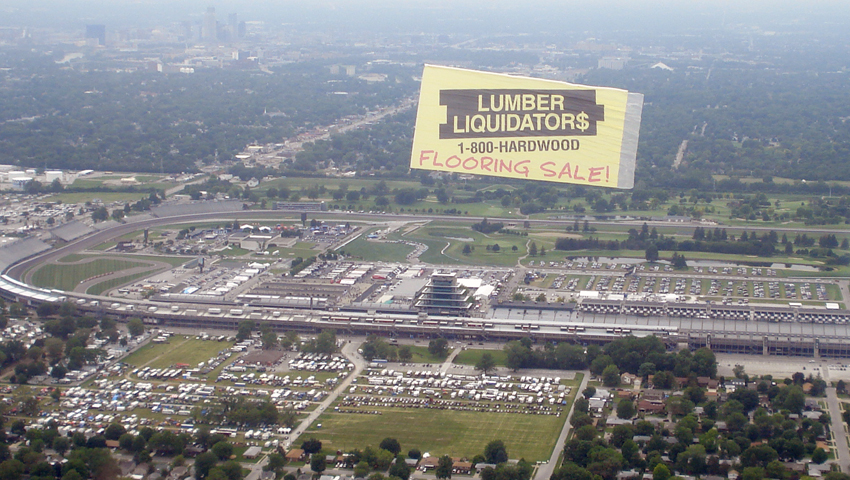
191, 351
422, 355
74, 257
472, 356
67, 277
151, 351
442, 431
173, 261
180, 349
377, 251
301, 249
437, 236
101, 287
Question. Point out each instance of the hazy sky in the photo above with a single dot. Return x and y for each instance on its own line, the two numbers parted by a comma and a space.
439, 16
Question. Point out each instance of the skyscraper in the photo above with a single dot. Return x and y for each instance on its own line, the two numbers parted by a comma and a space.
97, 32
232, 27
210, 27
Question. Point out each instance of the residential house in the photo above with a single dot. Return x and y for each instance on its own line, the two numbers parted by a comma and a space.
707, 382
462, 467
645, 406
428, 463
596, 406
735, 383
296, 455
178, 473
482, 466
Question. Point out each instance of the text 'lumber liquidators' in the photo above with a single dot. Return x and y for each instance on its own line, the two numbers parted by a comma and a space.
483, 123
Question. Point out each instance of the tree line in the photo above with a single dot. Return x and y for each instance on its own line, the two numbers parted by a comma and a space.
642, 356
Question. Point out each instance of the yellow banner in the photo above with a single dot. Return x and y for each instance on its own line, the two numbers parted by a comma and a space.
482, 123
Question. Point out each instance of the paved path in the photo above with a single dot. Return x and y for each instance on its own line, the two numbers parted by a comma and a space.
444, 368
546, 470
256, 468
350, 352
844, 288
839, 433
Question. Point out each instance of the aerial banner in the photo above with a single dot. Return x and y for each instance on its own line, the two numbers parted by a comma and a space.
481, 123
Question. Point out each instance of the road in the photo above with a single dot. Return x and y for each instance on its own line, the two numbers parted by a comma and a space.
839, 434
256, 468
293, 145
350, 352
546, 470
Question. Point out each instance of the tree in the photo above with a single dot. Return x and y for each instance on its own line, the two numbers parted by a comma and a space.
661, 472
135, 327
232, 470
404, 353
114, 431
438, 347
222, 450
679, 262
317, 463
61, 445
444, 467
203, 463
568, 471
362, 469
836, 476
270, 339
244, 329
399, 469
582, 405
390, 445
738, 371
11, 469
311, 446
611, 376
486, 363
795, 399
100, 214
467, 249
325, 342
54, 347
753, 473
495, 452
819, 456
663, 380
704, 363
532, 249
651, 255
625, 409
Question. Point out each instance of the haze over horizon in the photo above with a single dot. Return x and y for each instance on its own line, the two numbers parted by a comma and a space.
494, 18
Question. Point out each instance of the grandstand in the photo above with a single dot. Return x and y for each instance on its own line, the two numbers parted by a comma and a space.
71, 231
